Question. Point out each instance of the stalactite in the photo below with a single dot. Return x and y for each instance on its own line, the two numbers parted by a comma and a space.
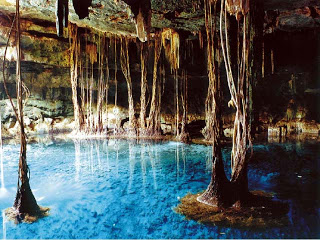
144, 83
153, 123
171, 44
74, 42
172, 47
125, 66
81, 7
62, 12
142, 17
238, 8
141, 27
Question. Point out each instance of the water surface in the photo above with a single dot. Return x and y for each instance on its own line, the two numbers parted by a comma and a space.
125, 189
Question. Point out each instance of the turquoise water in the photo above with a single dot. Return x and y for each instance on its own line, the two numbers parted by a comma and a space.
125, 189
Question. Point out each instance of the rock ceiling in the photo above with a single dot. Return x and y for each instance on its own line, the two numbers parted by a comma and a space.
116, 16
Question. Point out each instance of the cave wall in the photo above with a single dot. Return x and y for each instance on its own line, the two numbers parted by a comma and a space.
290, 93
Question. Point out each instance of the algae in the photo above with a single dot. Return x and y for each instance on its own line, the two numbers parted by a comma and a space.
260, 212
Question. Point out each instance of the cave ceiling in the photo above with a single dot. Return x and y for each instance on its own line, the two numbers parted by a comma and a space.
116, 16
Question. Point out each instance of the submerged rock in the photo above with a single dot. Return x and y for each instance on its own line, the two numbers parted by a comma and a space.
259, 212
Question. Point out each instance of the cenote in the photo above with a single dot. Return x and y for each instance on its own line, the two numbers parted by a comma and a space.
126, 189
159, 119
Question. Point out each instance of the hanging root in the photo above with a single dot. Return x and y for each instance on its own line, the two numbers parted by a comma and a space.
239, 91
144, 83
75, 61
153, 123
25, 204
125, 66
184, 135
212, 48
101, 86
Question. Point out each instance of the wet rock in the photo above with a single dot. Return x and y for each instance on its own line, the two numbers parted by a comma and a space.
285, 128
11, 123
166, 128
308, 127
273, 131
48, 121
27, 121
14, 131
295, 21
62, 125
228, 132
33, 113
41, 127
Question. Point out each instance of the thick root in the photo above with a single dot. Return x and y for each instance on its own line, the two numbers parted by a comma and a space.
260, 212
184, 137
13, 214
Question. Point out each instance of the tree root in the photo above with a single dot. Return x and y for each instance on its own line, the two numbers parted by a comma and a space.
14, 215
259, 212
184, 137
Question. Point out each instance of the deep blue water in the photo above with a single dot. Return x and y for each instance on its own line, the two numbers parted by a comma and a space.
122, 189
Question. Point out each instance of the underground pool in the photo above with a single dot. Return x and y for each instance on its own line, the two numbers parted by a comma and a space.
129, 189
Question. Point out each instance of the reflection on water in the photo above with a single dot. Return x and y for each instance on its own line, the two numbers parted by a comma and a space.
3, 190
131, 164
126, 189
3, 225
143, 167
2, 186
77, 153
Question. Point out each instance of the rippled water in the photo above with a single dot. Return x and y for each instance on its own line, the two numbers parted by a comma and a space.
122, 189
